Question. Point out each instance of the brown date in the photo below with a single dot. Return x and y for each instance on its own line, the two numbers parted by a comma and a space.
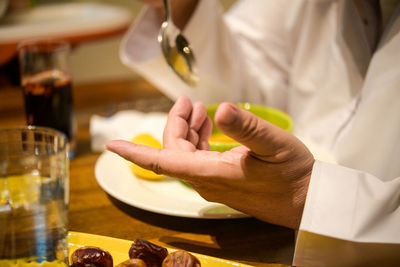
181, 259
91, 257
150, 253
132, 263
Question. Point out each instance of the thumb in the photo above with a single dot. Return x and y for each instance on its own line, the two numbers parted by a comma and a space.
260, 136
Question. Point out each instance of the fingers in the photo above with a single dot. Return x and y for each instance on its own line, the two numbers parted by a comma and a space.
177, 128
199, 114
181, 164
200, 127
260, 136
188, 126
196, 120
204, 134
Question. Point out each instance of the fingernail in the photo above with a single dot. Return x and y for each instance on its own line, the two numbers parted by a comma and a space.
227, 114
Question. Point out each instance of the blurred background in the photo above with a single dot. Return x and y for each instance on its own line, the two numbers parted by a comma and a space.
93, 59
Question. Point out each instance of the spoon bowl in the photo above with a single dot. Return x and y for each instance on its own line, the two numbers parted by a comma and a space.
176, 50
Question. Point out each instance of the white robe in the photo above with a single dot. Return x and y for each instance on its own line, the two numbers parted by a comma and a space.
311, 58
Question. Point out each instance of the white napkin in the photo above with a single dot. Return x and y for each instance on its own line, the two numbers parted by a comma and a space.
125, 125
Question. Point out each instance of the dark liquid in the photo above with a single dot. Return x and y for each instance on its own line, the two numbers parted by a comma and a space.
49, 102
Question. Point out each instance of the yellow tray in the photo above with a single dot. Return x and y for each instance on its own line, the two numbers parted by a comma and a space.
119, 249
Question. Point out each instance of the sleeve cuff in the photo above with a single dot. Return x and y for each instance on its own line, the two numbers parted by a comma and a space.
346, 203
140, 42
330, 187
347, 212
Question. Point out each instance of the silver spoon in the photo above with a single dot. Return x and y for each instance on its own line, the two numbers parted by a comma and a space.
176, 50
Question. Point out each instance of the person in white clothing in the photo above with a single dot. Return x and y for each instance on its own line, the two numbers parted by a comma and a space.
334, 66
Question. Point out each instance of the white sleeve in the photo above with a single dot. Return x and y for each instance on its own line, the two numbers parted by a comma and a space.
241, 55
349, 213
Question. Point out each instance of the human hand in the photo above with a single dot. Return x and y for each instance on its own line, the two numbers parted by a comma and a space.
267, 177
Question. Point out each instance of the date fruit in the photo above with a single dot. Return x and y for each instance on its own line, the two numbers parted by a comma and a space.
91, 257
150, 253
181, 258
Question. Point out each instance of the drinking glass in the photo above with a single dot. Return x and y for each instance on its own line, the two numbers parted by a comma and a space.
34, 173
47, 85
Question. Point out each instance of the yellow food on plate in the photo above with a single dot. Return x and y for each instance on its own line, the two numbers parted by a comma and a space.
219, 137
148, 140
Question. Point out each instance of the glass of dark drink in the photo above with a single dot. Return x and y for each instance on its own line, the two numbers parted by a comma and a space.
47, 86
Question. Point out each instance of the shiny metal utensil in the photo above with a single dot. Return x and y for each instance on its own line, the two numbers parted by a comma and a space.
176, 50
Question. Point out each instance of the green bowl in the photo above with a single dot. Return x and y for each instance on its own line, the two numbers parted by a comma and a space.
272, 115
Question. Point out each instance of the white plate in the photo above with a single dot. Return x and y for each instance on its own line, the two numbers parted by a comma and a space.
168, 196
64, 19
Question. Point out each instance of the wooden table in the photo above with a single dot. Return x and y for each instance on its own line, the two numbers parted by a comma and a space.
91, 210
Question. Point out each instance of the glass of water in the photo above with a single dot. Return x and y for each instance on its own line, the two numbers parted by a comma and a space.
34, 172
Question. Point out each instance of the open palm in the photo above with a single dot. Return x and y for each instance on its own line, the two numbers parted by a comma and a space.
267, 177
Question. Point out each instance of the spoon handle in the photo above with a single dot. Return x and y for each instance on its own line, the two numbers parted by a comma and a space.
167, 10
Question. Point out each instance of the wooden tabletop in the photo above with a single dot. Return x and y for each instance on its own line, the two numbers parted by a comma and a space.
91, 210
